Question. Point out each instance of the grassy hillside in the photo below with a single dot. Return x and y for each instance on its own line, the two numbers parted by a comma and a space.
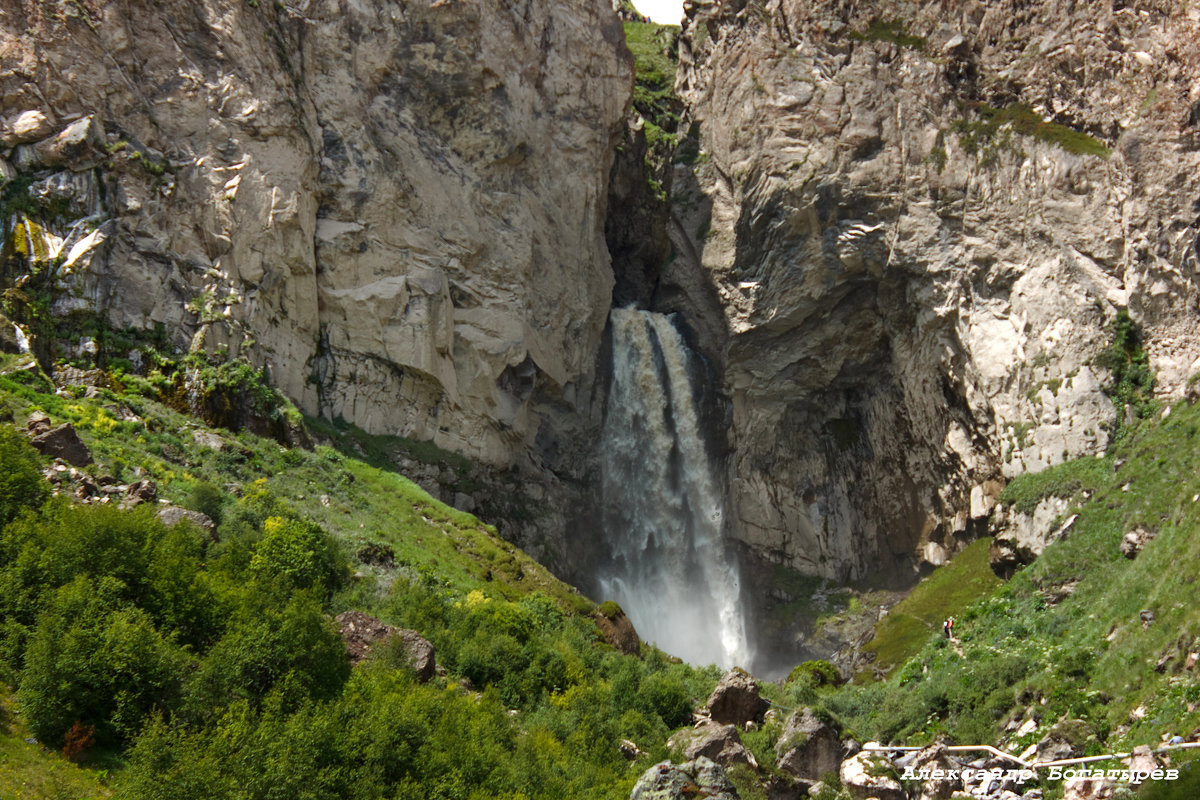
1083, 636
948, 591
172, 664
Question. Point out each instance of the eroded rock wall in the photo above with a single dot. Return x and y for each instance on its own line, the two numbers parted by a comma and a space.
911, 294
396, 207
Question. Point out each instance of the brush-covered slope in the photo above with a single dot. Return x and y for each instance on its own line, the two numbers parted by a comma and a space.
1086, 638
183, 662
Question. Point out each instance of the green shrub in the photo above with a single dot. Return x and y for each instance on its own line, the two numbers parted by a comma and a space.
301, 552
208, 500
664, 694
21, 482
820, 673
97, 660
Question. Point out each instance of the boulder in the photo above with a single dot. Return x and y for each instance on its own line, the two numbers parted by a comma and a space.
1088, 789
721, 743
63, 442
1141, 763
630, 750
362, 632
173, 515
692, 779
617, 629
785, 787
736, 700
143, 491
1133, 542
76, 146
1053, 748
809, 747
29, 126
929, 761
37, 423
869, 774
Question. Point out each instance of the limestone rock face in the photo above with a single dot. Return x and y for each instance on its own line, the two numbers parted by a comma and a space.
398, 209
917, 242
1019, 538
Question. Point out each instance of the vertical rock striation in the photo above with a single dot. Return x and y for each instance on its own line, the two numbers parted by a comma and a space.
921, 220
397, 207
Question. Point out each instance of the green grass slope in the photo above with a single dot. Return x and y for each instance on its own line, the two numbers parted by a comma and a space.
1083, 634
948, 591
188, 667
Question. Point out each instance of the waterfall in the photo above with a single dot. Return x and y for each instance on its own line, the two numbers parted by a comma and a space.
663, 502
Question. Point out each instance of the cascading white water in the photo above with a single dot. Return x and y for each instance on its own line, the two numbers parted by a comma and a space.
664, 506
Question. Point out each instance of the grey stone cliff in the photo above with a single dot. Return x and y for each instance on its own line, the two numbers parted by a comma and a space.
918, 234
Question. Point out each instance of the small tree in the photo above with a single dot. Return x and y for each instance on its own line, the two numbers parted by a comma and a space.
21, 482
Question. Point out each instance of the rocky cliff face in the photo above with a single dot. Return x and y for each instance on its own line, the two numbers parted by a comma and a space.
396, 207
920, 221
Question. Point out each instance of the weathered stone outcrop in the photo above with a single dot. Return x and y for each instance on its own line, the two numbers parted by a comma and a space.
173, 515
397, 209
618, 631
919, 234
1018, 538
809, 747
362, 633
63, 442
667, 781
736, 699
721, 743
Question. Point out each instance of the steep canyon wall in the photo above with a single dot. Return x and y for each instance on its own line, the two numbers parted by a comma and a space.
921, 220
900, 232
397, 207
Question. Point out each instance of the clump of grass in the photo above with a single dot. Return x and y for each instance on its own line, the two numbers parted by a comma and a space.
989, 123
891, 31
1067, 480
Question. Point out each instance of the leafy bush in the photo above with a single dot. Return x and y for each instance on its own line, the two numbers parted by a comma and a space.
96, 660
21, 483
819, 673
1133, 381
301, 552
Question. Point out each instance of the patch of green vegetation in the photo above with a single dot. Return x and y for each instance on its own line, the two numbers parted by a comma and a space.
655, 61
947, 592
205, 667
610, 609
1132, 386
891, 31
1020, 430
1083, 635
29, 773
818, 673
1068, 480
989, 131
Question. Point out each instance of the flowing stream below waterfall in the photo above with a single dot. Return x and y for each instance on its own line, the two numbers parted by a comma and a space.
670, 566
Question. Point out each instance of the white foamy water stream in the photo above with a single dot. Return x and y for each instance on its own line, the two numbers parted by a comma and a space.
664, 505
